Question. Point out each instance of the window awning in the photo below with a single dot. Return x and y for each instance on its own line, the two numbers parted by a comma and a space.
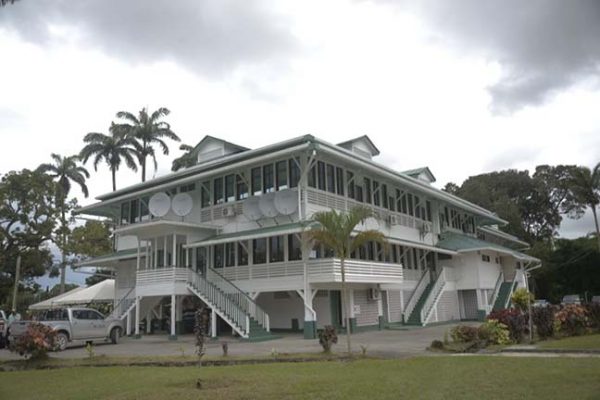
275, 230
464, 244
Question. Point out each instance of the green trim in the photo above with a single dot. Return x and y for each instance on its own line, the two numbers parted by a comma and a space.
462, 243
310, 329
363, 328
353, 327
286, 330
381, 322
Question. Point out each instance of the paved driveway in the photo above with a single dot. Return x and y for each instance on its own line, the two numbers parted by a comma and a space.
386, 343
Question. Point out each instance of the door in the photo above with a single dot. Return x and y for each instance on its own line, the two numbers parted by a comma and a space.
336, 308
88, 324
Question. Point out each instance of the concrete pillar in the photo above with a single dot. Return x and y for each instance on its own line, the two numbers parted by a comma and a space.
137, 318
381, 319
173, 335
149, 322
128, 324
213, 324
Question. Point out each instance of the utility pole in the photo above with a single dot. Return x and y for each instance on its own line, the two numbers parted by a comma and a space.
17, 277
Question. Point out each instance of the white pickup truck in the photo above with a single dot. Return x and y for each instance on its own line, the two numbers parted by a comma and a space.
74, 325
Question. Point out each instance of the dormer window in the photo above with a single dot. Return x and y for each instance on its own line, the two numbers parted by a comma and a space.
361, 146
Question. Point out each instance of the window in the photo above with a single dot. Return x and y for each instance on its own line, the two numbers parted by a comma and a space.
294, 248
218, 197
256, 181
368, 192
330, 178
392, 203
384, 196
144, 212
312, 177
218, 255
229, 181
428, 211
376, 194
294, 172
242, 254
205, 194
259, 251
350, 180
187, 188
276, 248
229, 254
125, 213
417, 207
242, 188
358, 193
268, 178
281, 175
409, 200
200, 259
485, 258
321, 175
339, 181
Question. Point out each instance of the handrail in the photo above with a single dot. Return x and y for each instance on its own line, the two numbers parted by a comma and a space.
416, 294
244, 301
492, 299
117, 313
433, 297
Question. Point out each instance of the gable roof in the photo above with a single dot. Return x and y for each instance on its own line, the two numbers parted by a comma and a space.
465, 244
414, 173
364, 138
209, 137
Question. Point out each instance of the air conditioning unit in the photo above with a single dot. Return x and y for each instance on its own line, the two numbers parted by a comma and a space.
228, 212
393, 220
374, 294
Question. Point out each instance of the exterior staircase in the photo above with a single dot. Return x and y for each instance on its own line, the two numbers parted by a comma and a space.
415, 316
504, 294
124, 306
231, 304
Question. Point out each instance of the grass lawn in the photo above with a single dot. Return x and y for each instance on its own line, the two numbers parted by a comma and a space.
587, 342
444, 377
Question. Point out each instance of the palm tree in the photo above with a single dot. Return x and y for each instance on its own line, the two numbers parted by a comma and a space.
186, 160
113, 149
147, 129
336, 231
65, 170
586, 187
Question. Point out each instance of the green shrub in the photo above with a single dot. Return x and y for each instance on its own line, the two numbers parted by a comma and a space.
494, 332
543, 319
593, 314
573, 320
437, 345
514, 320
521, 298
327, 338
464, 333
37, 341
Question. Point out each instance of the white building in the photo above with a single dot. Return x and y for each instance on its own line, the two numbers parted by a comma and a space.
228, 231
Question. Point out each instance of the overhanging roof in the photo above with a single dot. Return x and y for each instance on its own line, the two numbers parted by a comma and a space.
251, 234
503, 235
417, 245
111, 257
466, 244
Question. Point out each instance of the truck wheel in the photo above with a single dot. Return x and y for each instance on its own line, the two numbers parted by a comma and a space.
115, 334
61, 341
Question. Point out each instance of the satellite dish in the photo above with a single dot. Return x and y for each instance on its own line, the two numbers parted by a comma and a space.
286, 202
267, 205
182, 204
159, 204
371, 224
251, 208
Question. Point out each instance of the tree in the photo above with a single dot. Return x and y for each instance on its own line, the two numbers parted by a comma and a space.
186, 160
27, 219
147, 130
586, 186
114, 149
91, 240
336, 231
64, 171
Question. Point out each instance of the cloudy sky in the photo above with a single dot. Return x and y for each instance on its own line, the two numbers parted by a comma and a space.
465, 87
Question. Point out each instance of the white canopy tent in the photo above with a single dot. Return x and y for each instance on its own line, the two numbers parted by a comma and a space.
51, 302
100, 292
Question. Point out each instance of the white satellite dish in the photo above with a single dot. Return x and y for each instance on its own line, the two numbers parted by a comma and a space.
251, 208
159, 204
182, 204
371, 224
286, 202
267, 205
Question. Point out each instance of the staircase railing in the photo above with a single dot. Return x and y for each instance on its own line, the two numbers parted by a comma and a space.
494, 296
240, 297
416, 294
123, 305
433, 297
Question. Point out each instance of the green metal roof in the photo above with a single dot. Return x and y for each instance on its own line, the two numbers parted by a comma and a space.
127, 254
464, 244
503, 235
414, 173
252, 234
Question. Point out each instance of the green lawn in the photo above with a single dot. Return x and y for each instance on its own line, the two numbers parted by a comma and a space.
444, 377
588, 342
